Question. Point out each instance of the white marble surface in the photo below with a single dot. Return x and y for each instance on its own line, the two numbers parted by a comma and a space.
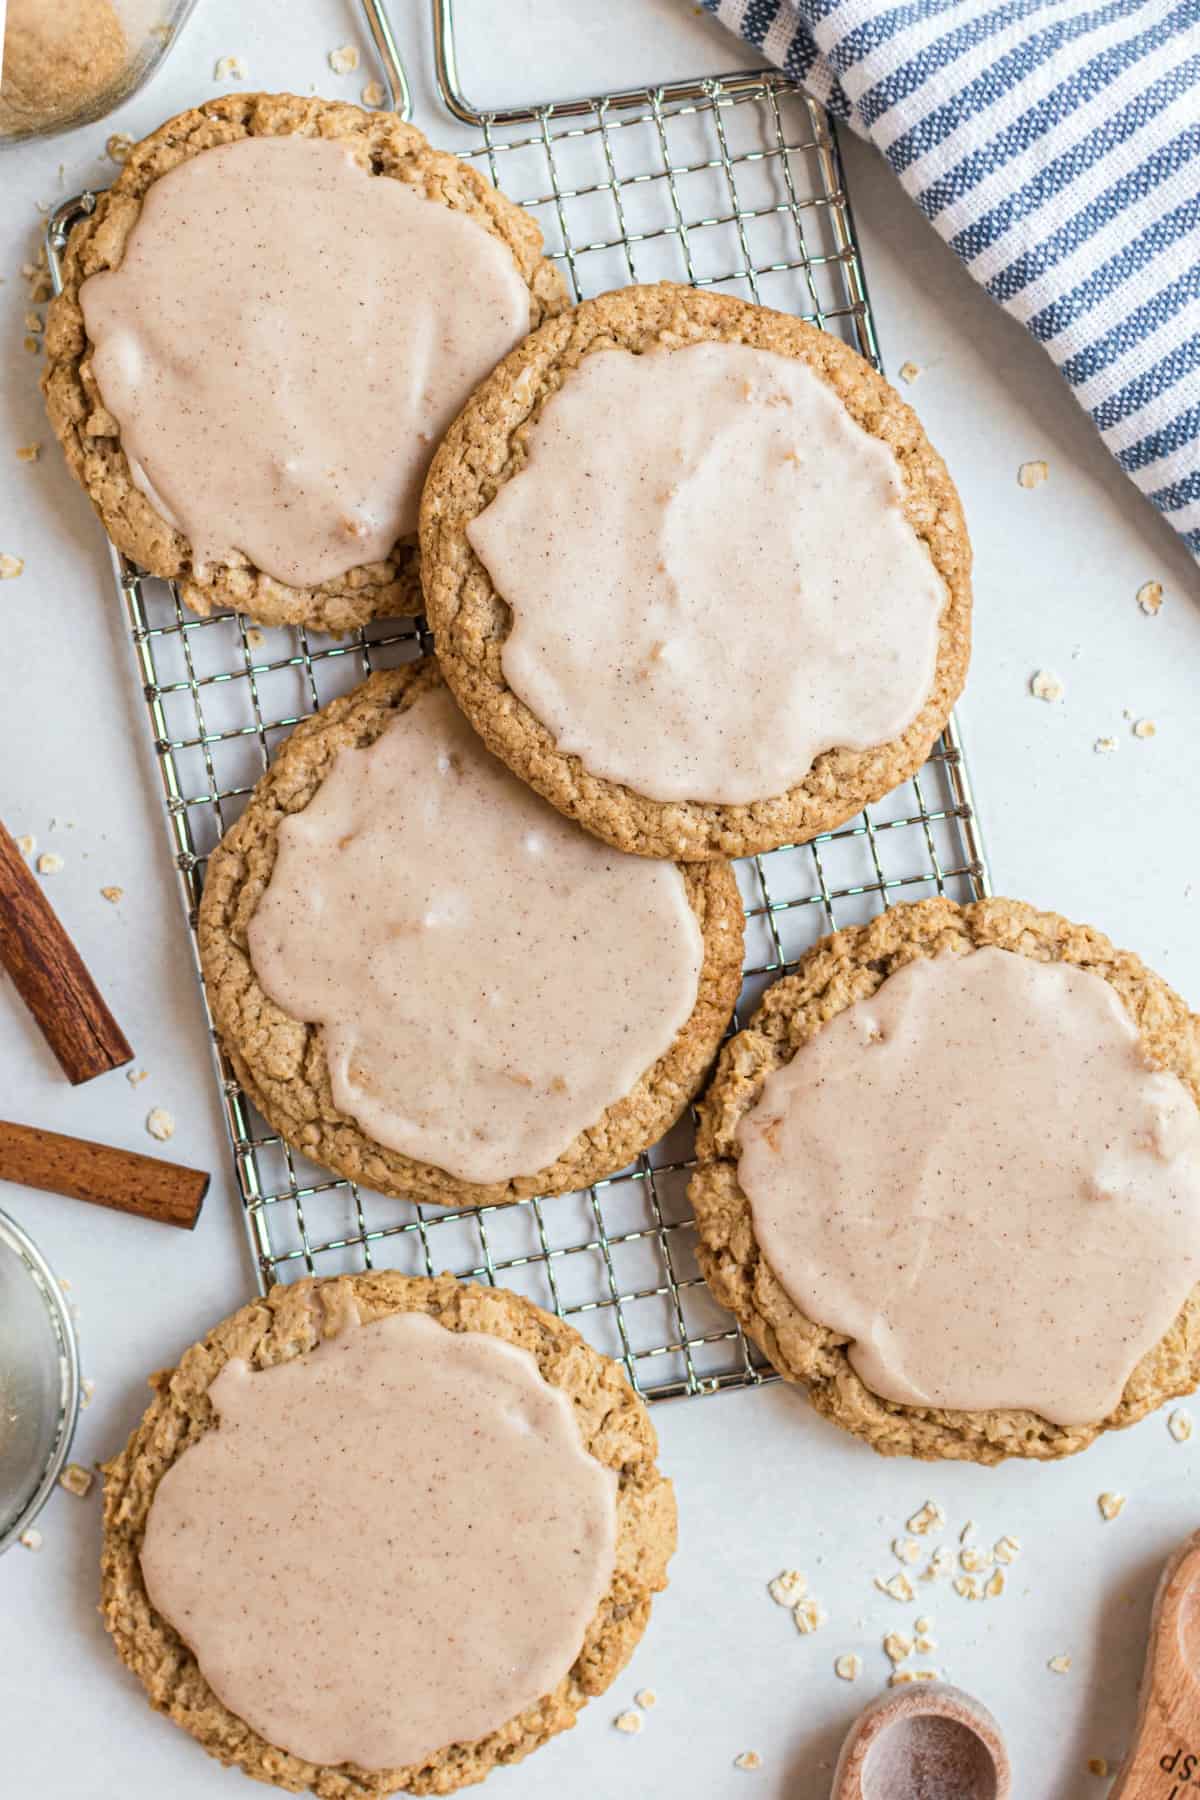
762, 1483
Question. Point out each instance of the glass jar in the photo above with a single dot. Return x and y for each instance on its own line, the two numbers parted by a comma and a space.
67, 62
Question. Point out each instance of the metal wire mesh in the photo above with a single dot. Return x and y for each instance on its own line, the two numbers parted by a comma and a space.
734, 184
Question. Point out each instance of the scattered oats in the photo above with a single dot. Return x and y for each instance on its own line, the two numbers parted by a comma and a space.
749, 1759
924, 1646
64, 1283
42, 288
897, 1647
966, 1531
10, 566
906, 1550
848, 1667
897, 1587
1097, 1765
1180, 1425
994, 1586
1104, 746
33, 321
909, 371
809, 1616
27, 845
968, 1586
88, 1389
1032, 474
28, 452
31, 1539
160, 1124
1059, 1665
344, 61
1045, 686
929, 1517
788, 1587
646, 1698
255, 637
940, 1563
120, 144
630, 1722
372, 94
136, 1076
923, 1626
77, 1480
112, 894
898, 1677
1110, 1505
1150, 597
1007, 1549
230, 68
32, 344
974, 1560
50, 863
1145, 728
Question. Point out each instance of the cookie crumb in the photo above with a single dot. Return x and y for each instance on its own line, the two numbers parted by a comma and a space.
344, 61
994, 1586
749, 1759
809, 1616
909, 371
50, 863
118, 147
77, 1480
646, 1698
33, 321
1180, 1425
255, 637
1045, 686
897, 1647
848, 1667
372, 94
1145, 728
906, 1550
1032, 474
10, 566
160, 1124
136, 1076
1150, 597
629, 1722
28, 453
229, 68
31, 1539
788, 1587
897, 1587
1104, 746
112, 894
1059, 1665
927, 1518
1097, 1765
1006, 1549
1111, 1505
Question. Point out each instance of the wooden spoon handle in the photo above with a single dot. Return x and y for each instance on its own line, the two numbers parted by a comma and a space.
51, 977
101, 1174
1164, 1763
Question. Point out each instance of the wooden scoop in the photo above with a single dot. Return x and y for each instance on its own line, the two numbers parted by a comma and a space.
924, 1742
1164, 1763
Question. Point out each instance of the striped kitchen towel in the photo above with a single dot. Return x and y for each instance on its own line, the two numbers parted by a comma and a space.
1055, 145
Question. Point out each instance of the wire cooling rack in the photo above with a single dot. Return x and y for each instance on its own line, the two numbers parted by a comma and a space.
733, 183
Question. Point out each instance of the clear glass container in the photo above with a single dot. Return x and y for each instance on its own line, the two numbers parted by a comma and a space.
68, 62
39, 1381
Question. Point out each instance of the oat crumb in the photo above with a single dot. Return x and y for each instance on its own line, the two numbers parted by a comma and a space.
230, 68
10, 566
749, 1759
1007, 1549
1097, 1765
160, 1124
974, 1560
899, 1677
897, 1587
255, 637
646, 1698
372, 94
87, 1390
925, 1646
897, 1647
1150, 597
33, 321
788, 1587
344, 61
966, 1531
1111, 1505
28, 453
630, 1722
50, 863
112, 894
1145, 728
848, 1667
940, 1563
1045, 686
31, 1539
909, 371
27, 845
1032, 474
118, 146
1059, 1665
809, 1616
136, 1076
1104, 746
77, 1480
923, 1626
32, 344
968, 1587
1180, 1425
906, 1550
927, 1518
994, 1586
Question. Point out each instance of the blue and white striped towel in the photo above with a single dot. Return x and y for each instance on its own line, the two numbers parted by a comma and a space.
1055, 145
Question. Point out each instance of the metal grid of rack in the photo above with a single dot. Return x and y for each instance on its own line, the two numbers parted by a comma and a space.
733, 183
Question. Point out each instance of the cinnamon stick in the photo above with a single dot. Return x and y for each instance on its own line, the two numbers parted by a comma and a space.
102, 1174
50, 976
